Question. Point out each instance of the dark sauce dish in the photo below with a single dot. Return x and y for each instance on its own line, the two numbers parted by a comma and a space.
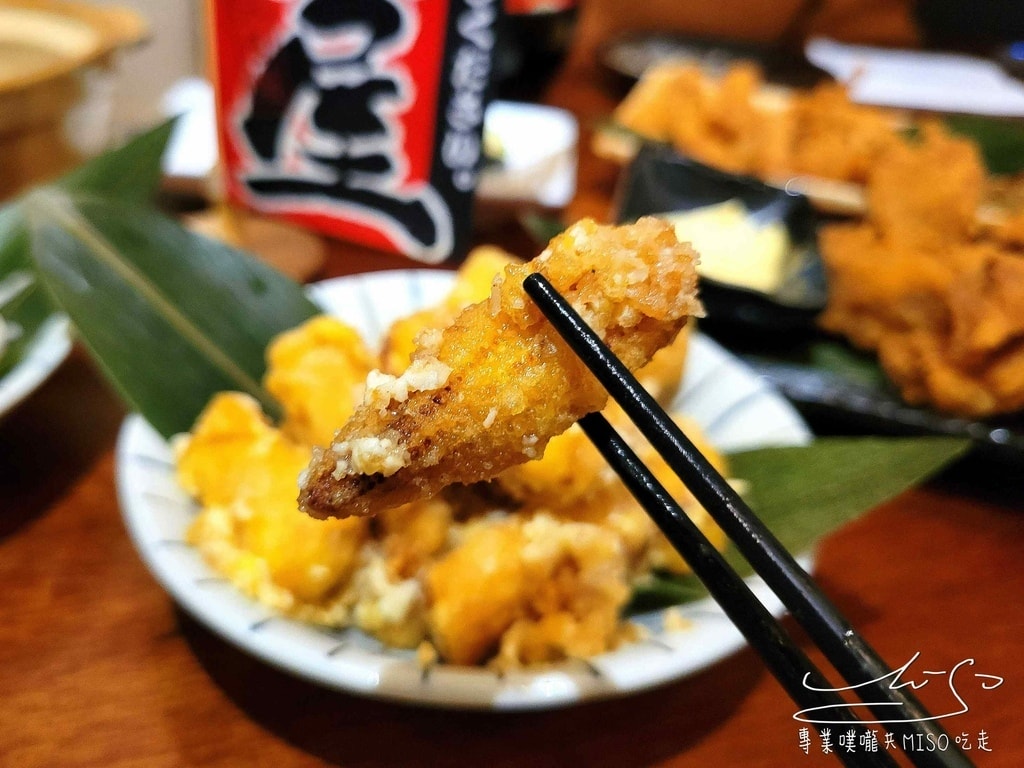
659, 180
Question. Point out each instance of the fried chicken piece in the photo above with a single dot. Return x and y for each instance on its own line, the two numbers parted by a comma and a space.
543, 590
925, 194
242, 471
572, 470
414, 533
648, 108
877, 288
834, 138
572, 481
978, 368
719, 123
946, 325
472, 284
737, 123
317, 371
496, 385
935, 296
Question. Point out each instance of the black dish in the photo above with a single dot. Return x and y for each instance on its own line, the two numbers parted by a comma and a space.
833, 402
660, 180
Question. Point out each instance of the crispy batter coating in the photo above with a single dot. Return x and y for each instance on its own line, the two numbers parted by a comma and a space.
571, 470
472, 284
500, 382
542, 590
924, 194
717, 121
834, 138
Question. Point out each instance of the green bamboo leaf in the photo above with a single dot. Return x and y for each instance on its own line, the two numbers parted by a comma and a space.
847, 362
130, 173
1000, 140
803, 493
662, 589
171, 317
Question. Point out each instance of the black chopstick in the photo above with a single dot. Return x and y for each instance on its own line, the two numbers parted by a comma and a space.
847, 651
802, 680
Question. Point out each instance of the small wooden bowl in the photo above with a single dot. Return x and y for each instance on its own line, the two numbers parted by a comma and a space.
56, 61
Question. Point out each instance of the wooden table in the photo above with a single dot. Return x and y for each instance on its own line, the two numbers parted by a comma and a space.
99, 668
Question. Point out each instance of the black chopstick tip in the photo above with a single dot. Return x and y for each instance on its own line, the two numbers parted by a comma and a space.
534, 281
540, 289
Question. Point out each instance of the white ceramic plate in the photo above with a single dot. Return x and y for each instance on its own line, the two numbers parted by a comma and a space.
735, 409
47, 350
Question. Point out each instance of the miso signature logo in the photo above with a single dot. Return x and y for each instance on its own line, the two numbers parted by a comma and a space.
901, 677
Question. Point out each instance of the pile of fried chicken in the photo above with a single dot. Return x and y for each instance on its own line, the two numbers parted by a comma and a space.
740, 125
931, 279
935, 293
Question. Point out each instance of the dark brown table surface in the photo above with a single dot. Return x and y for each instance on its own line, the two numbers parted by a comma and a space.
99, 668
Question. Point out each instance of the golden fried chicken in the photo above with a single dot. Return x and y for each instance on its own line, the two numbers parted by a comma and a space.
738, 123
648, 108
834, 138
876, 288
925, 194
316, 371
571, 470
241, 469
977, 367
543, 590
723, 122
492, 389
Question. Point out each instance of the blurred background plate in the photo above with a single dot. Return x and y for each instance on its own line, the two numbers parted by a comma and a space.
33, 363
629, 56
618, 144
837, 388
